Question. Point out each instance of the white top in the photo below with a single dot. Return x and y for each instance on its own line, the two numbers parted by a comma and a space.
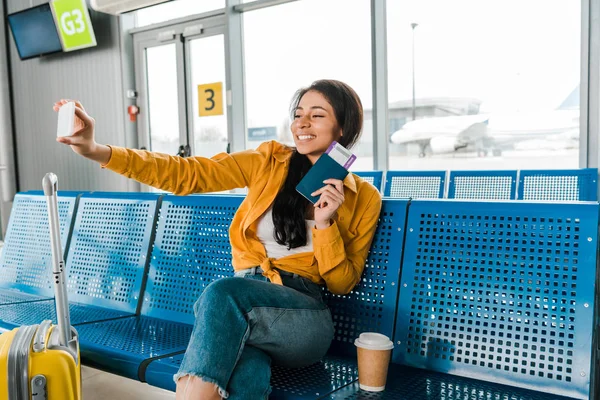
265, 232
373, 341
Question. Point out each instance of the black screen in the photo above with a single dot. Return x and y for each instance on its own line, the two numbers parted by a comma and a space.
34, 32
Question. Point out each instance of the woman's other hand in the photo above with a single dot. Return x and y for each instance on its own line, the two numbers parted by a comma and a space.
332, 197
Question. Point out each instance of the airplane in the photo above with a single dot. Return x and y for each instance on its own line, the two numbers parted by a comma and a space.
444, 134
484, 133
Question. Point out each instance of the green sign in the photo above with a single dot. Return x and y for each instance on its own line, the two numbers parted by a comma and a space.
73, 24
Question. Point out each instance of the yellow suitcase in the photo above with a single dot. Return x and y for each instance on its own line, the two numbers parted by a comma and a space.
42, 362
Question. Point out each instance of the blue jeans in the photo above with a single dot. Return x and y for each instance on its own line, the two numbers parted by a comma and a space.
245, 323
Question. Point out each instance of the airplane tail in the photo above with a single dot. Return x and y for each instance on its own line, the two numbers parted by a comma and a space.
572, 100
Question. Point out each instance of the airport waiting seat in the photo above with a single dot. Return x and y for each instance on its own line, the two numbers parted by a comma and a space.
369, 307
560, 185
415, 184
25, 261
373, 177
407, 383
482, 185
464, 321
191, 249
476, 319
105, 266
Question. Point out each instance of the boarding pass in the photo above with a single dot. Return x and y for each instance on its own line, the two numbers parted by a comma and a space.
340, 154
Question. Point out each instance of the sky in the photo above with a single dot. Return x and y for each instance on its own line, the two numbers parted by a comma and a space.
512, 55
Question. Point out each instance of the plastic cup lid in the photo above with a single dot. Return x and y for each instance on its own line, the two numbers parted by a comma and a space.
373, 341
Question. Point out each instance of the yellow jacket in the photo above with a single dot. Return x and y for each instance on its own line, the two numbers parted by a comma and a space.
339, 252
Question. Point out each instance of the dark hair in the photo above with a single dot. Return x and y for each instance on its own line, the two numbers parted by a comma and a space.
290, 207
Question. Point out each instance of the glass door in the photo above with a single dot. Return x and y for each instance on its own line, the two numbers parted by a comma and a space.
207, 99
163, 105
160, 79
180, 78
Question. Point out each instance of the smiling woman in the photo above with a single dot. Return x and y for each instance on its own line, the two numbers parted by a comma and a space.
316, 123
243, 326
314, 126
327, 110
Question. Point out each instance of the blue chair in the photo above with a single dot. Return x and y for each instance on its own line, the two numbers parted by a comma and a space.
26, 262
482, 185
415, 184
191, 249
495, 292
370, 306
570, 185
106, 264
418, 384
373, 177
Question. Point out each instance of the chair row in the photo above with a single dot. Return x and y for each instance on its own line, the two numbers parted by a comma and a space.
497, 291
557, 185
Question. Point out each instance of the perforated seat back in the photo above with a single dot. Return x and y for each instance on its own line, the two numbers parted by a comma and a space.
561, 185
415, 184
482, 185
191, 250
375, 178
370, 306
109, 249
502, 289
26, 258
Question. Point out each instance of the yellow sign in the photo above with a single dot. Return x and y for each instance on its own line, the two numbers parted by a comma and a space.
73, 23
210, 99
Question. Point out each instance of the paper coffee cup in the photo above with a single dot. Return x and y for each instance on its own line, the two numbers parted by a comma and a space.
374, 353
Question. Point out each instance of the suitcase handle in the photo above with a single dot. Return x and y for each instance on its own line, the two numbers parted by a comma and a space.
39, 342
50, 185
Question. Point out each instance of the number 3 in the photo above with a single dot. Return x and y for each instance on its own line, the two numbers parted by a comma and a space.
210, 98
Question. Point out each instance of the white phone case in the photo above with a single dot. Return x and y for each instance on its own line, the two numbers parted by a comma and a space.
66, 120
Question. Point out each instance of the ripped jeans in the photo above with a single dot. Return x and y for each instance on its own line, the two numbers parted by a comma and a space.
245, 323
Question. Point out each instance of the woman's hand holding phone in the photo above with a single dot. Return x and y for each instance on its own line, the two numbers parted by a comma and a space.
82, 140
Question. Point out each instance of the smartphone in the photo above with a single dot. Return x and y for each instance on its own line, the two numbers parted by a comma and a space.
66, 120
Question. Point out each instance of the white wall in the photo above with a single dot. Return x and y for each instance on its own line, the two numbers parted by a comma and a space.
93, 76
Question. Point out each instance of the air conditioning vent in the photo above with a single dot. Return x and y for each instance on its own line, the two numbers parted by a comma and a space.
116, 7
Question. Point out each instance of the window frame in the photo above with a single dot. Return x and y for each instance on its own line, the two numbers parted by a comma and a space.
232, 18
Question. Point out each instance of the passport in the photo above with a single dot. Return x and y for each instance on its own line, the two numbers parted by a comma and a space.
325, 168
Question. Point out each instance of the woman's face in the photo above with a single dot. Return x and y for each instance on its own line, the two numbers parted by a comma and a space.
314, 126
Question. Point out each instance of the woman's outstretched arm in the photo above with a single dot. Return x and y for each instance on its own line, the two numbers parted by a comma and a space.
171, 173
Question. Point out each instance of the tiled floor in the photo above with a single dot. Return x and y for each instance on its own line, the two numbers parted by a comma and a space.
99, 385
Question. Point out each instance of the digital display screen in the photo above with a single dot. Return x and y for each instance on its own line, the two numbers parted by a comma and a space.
34, 32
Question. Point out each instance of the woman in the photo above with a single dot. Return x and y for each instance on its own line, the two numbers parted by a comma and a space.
285, 247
